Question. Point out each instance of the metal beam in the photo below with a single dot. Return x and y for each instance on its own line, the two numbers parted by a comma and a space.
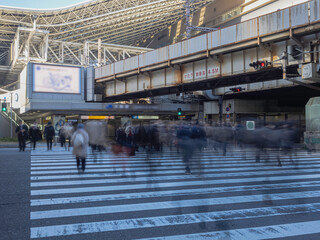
303, 84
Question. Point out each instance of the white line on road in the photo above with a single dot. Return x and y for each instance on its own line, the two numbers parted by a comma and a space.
104, 226
167, 184
167, 205
225, 175
171, 193
97, 169
267, 232
137, 174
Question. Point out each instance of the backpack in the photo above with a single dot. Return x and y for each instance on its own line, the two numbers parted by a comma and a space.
78, 140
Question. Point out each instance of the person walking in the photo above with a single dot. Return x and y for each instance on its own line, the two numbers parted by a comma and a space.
34, 135
62, 137
49, 134
186, 145
80, 141
22, 131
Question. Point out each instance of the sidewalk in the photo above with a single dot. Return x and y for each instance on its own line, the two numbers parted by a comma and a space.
9, 145
16, 144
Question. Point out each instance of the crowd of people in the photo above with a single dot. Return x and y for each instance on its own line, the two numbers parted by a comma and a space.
189, 139
34, 134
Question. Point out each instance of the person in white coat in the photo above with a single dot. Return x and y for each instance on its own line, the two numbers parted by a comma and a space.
80, 141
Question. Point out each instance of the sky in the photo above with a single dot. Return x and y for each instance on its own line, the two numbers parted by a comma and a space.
40, 4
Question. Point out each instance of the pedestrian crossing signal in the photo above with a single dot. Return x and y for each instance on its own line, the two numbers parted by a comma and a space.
4, 107
179, 111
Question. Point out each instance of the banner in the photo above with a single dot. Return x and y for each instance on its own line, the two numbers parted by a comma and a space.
56, 79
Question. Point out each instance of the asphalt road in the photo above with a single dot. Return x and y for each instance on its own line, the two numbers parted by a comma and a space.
44, 197
14, 194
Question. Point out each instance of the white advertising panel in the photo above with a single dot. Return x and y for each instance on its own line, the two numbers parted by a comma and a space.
56, 79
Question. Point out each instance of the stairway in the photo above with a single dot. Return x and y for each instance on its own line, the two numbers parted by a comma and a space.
5, 123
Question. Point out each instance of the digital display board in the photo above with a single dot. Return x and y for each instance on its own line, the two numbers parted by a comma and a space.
56, 79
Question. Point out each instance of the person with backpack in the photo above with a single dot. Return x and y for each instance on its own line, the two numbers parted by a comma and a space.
80, 141
49, 133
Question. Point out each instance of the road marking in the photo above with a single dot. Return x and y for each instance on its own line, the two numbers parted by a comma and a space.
104, 226
170, 193
237, 174
267, 232
137, 174
166, 205
301, 181
168, 184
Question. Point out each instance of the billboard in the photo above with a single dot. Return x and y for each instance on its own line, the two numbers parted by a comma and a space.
56, 79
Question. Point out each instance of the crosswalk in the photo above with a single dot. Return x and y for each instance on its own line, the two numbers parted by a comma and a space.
151, 197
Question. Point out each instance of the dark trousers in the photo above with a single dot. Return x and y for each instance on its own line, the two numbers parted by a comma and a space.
63, 141
22, 143
69, 143
49, 143
83, 163
34, 144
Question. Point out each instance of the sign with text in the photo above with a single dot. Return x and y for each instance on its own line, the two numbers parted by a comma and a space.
97, 117
146, 117
200, 73
213, 71
188, 76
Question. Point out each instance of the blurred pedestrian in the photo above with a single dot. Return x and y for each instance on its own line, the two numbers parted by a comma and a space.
80, 141
67, 131
62, 137
186, 145
34, 135
97, 131
49, 133
22, 131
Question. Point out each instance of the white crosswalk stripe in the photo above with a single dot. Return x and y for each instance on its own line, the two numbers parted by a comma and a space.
231, 198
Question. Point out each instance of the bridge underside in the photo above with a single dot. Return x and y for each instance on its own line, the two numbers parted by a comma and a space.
269, 74
287, 39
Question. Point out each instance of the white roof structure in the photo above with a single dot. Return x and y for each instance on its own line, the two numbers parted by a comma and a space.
75, 34
123, 22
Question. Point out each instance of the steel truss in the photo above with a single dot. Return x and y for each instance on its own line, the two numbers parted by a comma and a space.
85, 34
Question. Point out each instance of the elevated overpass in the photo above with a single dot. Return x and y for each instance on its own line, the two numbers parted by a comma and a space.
287, 38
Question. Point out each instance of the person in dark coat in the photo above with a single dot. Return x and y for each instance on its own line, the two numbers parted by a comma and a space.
186, 144
34, 135
62, 137
49, 134
22, 131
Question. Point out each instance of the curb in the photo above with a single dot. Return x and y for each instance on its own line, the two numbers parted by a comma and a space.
9, 145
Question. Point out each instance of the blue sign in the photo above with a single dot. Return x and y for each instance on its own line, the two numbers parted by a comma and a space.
109, 106
135, 117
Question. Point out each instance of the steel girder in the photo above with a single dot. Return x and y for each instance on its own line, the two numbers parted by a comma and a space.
112, 21
91, 33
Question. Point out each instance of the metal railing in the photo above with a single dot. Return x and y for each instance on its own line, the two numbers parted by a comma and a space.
15, 117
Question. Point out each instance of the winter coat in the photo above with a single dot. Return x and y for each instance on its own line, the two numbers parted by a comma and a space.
81, 150
34, 134
49, 132
22, 131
